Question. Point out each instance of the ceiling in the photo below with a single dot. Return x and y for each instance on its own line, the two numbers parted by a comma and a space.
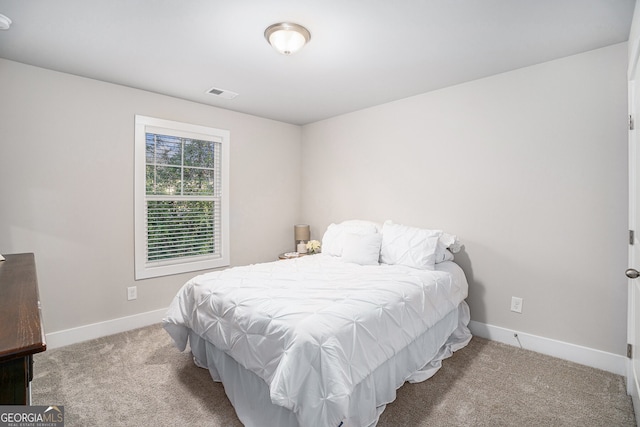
362, 52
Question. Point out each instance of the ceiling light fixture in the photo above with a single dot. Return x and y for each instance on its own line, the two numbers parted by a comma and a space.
5, 22
287, 38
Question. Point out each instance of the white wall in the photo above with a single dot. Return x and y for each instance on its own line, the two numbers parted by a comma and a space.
528, 168
66, 192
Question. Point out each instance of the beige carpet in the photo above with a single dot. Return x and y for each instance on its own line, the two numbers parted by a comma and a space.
138, 378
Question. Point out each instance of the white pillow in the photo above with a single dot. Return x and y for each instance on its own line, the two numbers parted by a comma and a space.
443, 255
450, 242
363, 249
410, 246
333, 238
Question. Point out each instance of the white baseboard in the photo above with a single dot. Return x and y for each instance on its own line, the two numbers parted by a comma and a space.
598, 359
102, 329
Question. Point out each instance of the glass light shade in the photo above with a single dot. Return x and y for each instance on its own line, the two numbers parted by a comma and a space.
5, 22
287, 38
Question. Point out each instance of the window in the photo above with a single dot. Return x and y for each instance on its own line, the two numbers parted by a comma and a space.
181, 197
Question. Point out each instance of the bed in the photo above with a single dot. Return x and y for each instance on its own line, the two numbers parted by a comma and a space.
327, 339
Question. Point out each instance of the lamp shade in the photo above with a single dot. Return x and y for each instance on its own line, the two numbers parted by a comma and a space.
301, 232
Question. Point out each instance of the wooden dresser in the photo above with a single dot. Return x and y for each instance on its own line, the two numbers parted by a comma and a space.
21, 330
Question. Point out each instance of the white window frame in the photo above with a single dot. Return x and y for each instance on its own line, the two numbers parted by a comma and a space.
143, 268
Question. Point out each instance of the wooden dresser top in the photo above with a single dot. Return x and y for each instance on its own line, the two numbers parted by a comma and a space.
21, 330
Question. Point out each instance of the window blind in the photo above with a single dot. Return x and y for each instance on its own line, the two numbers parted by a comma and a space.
183, 195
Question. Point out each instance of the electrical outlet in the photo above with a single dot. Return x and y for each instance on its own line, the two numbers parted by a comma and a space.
132, 293
516, 304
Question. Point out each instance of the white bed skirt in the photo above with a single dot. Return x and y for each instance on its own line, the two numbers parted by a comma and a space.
249, 394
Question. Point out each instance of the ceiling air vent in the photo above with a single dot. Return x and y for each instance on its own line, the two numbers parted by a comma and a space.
226, 94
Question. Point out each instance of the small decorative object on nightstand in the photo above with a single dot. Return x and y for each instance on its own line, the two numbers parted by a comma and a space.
313, 246
290, 255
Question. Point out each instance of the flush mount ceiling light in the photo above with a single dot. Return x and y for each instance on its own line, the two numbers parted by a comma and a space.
287, 38
5, 22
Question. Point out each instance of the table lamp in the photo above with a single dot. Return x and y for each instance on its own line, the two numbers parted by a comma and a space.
302, 234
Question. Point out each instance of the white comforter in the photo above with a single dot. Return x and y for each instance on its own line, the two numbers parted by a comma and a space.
315, 326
